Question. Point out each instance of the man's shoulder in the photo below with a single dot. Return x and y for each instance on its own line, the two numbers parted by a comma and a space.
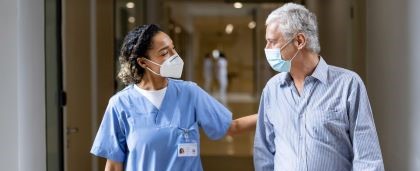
276, 82
277, 79
339, 70
336, 73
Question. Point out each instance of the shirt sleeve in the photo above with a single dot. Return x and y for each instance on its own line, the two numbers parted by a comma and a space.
264, 148
110, 141
366, 148
211, 115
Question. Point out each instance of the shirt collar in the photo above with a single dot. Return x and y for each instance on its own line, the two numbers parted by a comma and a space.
320, 73
285, 78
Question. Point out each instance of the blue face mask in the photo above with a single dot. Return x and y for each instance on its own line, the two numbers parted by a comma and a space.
276, 61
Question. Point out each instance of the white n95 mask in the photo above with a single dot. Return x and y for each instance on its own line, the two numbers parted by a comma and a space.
172, 67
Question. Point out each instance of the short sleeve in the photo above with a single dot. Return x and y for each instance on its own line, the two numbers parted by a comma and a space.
110, 141
212, 116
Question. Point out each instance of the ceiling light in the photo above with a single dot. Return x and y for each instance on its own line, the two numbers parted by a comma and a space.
131, 19
237, 5
178, 30
252, 25
130, 5
229, 29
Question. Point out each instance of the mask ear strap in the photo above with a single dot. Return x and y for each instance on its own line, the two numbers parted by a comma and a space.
152, 62
152, 71
288, 42
295, 55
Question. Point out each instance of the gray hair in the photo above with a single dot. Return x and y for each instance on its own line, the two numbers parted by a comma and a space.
293, 19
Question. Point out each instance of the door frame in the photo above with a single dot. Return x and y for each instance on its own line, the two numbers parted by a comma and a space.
55, 96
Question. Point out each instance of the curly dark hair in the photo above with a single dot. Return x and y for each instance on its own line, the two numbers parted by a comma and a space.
136, 44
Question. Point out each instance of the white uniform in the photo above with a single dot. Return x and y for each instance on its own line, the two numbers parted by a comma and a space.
208, 73
222, 72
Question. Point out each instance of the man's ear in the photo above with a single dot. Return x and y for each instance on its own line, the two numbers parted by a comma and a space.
142, 62
300, 40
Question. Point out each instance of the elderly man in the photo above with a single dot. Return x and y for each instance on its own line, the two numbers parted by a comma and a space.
312, 116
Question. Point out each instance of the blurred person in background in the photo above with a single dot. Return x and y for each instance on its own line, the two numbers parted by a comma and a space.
208, 72
222, 75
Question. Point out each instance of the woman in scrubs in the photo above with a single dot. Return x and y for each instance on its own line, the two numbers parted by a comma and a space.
153, 124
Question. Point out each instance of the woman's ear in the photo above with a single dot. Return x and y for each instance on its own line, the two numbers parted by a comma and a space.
300, 40
142, 62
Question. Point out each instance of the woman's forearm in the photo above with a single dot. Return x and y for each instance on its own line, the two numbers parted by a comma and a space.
243, 124
113, 166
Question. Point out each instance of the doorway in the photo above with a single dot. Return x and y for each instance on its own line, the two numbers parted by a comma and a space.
88, 77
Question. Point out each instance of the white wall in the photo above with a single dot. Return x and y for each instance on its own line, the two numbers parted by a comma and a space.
22, 99
8, 89
414, 30
393, 81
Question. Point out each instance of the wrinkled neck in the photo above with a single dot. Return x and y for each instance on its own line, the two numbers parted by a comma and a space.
304, 65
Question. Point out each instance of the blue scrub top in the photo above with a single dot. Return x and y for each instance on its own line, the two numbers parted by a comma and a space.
134, 132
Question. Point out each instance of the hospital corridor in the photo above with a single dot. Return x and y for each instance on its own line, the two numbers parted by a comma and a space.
61, 63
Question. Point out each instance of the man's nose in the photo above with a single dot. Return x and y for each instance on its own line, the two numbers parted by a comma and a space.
268, 46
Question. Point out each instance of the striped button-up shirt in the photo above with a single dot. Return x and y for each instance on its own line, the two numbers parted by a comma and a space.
328, 127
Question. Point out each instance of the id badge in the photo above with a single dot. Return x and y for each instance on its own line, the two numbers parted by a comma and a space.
187, 150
